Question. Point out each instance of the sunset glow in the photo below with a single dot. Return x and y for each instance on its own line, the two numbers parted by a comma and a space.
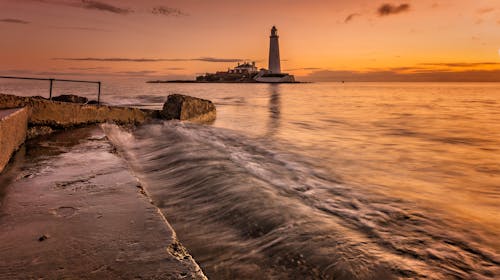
320, 40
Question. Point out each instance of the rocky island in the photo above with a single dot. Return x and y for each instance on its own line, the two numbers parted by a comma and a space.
247, 72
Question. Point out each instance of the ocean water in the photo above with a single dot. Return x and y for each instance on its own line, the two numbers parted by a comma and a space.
324, 180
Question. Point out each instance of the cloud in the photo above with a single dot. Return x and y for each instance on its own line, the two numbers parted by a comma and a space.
88, 68
167, 11
485, 10
118, 59
389, 9
101, 6
81, 28
350, 17
137, 73
175, 68
14, 20
89, 5
394, 76
213, 59
423, 72
98, 72
304, 68
462, 64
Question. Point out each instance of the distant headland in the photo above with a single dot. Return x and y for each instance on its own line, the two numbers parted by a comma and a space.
248, 72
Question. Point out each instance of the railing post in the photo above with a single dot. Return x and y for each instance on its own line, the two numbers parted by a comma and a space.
50, 92
99, 94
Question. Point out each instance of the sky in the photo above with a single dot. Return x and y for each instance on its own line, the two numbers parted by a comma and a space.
320, 40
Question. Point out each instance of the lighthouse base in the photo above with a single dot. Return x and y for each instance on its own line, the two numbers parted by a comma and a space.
267, 77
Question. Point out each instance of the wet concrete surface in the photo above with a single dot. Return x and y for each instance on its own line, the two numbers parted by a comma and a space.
71, 209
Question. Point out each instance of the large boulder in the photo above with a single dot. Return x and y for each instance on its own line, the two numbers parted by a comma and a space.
183, 107
71, 98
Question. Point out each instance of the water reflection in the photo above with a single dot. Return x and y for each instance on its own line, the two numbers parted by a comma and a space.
274, 109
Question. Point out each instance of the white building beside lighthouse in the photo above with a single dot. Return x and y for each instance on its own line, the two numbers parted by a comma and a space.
273, 74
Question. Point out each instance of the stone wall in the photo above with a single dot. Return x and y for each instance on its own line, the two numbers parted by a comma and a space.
13, 125
42, 116
42, 112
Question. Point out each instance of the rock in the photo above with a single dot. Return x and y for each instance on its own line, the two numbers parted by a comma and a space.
92, 102
70, 98
183, 107
42, 238
38, 97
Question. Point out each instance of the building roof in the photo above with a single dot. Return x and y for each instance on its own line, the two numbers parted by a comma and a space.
244, 65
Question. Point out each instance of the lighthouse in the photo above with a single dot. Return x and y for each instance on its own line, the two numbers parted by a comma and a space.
274, 52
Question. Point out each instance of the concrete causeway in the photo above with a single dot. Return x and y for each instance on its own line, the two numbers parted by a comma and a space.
69, 206
73, 210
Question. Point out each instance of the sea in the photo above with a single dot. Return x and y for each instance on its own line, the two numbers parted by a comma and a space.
320, 180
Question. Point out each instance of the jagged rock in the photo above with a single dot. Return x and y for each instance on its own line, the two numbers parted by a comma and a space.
70, 98
183, 107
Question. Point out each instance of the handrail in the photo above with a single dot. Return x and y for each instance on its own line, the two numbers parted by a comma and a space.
59, 80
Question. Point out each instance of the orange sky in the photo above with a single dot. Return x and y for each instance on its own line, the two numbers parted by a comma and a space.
320, 40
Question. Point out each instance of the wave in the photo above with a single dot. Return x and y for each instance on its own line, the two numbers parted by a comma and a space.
249, 208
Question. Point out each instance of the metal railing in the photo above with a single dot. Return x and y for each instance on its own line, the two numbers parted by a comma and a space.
59, 80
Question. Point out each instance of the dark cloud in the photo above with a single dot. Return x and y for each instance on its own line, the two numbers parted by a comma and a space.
167, 11
204, 59
175, 68
89, 5
101, 6
350, 17
390, 9
14, 20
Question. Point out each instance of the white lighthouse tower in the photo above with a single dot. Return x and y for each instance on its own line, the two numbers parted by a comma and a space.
273, 74
274, 52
